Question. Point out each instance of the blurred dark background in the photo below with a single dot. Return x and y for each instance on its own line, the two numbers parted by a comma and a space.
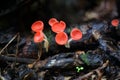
20, 14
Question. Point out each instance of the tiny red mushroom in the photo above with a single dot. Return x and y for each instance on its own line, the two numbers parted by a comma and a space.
61, 38
115, 22
76, 34
38, 37
59, 27
52, 21
37, 26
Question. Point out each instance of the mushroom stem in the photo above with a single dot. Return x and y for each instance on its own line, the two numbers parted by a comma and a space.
46, 43
67, 45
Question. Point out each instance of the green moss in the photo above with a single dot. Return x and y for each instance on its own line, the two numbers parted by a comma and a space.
84, 57
69, 29
50, 35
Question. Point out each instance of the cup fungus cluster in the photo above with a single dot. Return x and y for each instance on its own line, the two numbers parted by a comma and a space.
61, 37
39, 36
57, 27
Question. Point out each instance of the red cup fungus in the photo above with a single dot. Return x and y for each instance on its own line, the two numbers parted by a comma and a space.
52, 21
115, 22
37, 26
76, 34
59, 27
61, 38
38, 37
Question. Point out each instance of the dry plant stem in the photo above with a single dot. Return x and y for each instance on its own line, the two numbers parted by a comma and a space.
18, 38
92, 72
8, 43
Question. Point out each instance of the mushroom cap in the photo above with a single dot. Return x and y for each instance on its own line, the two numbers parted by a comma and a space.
59, 27
76, 34
61, 38
37, 26
38, 37
115, 22
52, 21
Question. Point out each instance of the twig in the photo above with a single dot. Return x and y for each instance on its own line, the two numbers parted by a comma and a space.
90, 73
8, 43
18, 38
20, 60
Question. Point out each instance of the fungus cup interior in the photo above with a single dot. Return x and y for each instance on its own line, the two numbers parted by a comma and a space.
76, 34
37, 26
59, 27
61, 38
52, 21
38, 37
115, 22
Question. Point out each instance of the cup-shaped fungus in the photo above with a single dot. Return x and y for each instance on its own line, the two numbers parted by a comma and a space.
61, 38
37, 26
59, 27
115, 22
75, 34
38, 37
52, 21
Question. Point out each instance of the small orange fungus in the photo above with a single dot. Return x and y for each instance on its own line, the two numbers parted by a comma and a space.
38, 37
115, 22
37, 26
52, 21
76, 34
61, 38
59, 27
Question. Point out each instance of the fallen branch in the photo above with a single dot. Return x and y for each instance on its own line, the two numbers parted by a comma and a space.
20, 60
